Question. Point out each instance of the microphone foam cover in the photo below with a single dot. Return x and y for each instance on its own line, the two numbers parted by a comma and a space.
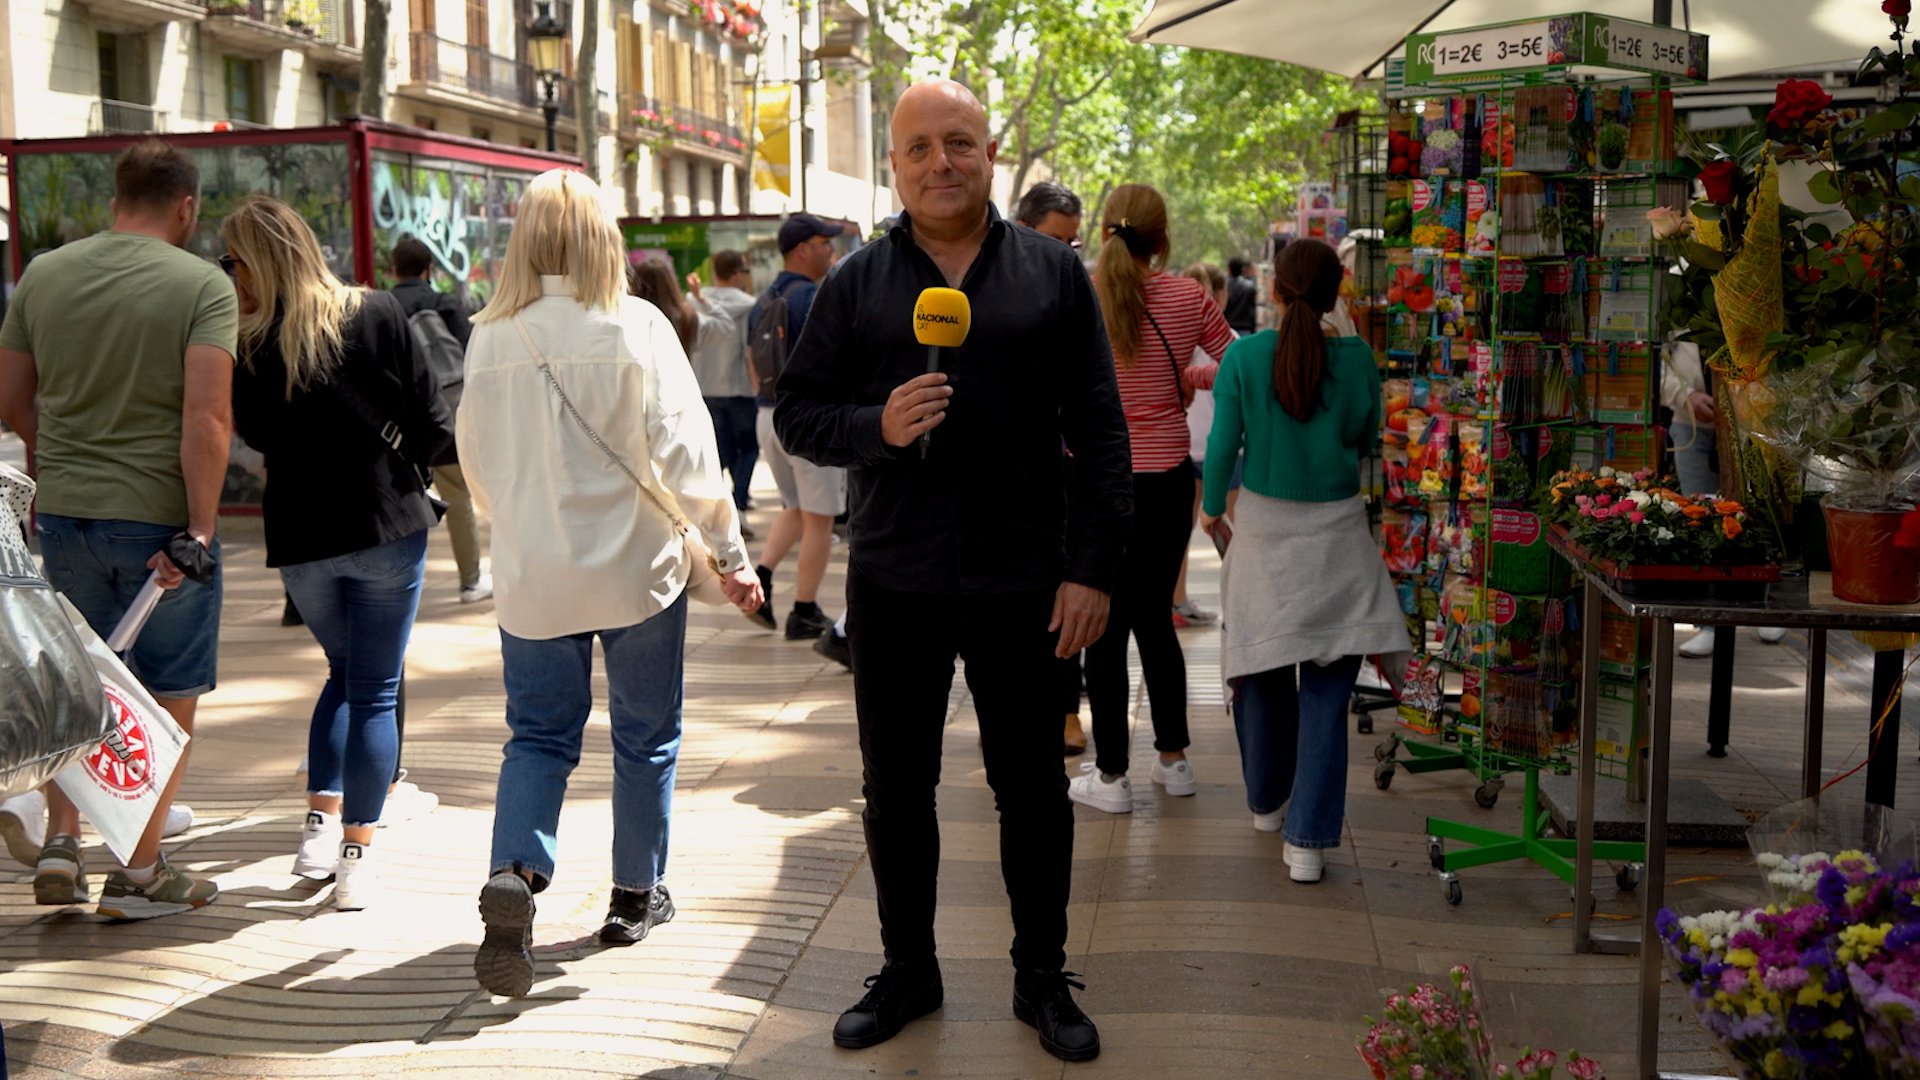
942, 317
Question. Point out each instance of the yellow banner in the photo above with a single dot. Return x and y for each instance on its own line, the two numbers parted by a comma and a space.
773, 156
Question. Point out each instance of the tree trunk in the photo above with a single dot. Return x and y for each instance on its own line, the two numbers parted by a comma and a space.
373, 60
586, 95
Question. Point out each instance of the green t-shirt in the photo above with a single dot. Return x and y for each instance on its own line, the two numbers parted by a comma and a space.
108, 320
1316, 461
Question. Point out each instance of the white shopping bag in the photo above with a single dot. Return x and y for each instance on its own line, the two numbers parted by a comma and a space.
118, 784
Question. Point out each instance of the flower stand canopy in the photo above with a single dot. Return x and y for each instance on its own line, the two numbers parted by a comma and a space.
1521, 296
361, 185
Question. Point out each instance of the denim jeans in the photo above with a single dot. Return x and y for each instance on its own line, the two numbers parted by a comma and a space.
1293, 745
360, 608
549, 692
737, 438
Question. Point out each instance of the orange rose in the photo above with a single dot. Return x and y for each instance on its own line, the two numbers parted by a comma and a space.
1732, 526
1728, 507
1695, 511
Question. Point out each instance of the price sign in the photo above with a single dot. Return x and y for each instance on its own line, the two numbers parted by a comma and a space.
1643, 47
1513, 276
1559, 279
1504, 608
1489, 48
1516, 527
1502, 444
1421, 195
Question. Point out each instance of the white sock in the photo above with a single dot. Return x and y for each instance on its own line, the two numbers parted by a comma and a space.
144, 875
840, 626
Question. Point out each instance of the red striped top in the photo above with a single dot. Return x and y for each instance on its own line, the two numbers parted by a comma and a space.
1156, 422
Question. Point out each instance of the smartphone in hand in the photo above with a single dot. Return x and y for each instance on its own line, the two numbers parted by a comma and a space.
1221, 532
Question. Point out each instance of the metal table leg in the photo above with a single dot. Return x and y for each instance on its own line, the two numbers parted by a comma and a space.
1653, 890
1883, 763
1813, 732
1592, 605
1720, 691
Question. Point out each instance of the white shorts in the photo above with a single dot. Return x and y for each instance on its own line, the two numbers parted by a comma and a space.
809, 488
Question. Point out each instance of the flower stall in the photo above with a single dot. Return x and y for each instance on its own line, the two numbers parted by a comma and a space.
361, 185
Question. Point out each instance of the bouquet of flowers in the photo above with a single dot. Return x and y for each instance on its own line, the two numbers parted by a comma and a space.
1436, 1033
1630, 519
1824, 988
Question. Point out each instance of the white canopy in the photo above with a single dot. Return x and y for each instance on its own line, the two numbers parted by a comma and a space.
1351, 37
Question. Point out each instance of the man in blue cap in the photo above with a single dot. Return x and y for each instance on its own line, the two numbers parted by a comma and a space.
811, 495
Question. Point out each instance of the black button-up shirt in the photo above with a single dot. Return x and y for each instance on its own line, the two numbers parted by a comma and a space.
995, 506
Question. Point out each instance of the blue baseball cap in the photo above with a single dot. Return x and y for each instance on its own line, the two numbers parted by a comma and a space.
801, 228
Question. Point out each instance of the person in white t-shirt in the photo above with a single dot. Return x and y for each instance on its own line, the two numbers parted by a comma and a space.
1199, 422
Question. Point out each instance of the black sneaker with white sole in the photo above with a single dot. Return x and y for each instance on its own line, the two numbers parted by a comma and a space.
504, 961
632, 914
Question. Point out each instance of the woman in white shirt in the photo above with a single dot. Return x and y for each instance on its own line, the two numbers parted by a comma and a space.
580, 552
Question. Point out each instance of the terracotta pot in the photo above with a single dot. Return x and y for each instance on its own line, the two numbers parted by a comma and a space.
1868, 566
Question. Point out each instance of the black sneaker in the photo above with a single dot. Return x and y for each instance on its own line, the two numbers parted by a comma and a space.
833, 645
805, 624
898, 995
1042, 1001
632, 914
763, 616
504, 961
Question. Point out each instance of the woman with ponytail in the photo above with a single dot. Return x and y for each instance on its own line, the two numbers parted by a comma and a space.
1155, 322
1305, 592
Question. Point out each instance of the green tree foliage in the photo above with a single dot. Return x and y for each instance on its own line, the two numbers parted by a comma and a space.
1227, 139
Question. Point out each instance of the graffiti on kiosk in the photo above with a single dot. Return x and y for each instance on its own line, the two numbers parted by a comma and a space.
434, 219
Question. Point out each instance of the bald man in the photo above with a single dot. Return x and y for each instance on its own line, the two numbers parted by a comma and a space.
984, 547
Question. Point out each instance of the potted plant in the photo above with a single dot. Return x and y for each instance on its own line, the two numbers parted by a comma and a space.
303, 14
1610, 145
1435, 1032
1644, 536
1818, 312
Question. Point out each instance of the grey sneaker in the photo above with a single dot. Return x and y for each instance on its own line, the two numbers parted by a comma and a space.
169, 893
504, 961
60, 876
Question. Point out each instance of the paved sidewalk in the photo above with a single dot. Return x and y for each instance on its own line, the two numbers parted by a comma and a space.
1202, 960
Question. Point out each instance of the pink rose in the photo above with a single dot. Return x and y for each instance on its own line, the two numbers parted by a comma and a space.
1603, 500
1636, 517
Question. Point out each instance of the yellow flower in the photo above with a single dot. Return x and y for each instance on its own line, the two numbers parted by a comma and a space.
1839, 1029
1742, 958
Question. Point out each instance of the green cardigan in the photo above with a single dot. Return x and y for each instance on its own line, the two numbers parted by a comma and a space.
1318, 461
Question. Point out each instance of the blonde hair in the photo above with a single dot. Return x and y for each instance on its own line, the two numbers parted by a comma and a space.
291, 281
1133, 227
560, 229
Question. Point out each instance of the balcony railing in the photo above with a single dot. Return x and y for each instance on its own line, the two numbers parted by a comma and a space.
476, 71
336, 23
651, 118
109, 117
271, 12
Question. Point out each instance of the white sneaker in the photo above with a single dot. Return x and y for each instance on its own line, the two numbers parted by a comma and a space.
1699, 646
480, 590
1268, 822
357, 881
1090, 788
179, 819
1304, 865
319, 857
1176, 777
405, 801
1773, 635
23, 825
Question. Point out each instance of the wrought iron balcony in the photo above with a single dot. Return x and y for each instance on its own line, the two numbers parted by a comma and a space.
649, 118
109, 117
262, 27
473, 70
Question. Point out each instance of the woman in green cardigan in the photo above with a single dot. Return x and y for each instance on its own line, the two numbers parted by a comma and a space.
1306, 594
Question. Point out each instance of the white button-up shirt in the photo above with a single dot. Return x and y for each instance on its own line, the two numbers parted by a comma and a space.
576, 546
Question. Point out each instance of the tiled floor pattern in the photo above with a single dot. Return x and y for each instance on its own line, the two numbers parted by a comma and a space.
1201, 959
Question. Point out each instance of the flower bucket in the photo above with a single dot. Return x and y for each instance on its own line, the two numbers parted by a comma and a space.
1869, 565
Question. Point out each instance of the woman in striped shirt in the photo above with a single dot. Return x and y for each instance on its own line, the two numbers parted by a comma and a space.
1155, 322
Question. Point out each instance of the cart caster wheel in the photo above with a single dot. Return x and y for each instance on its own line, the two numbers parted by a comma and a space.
1451, 882
1364, 725
1627, 878
1384, 749
1437, 853
1486, 795
1383, 775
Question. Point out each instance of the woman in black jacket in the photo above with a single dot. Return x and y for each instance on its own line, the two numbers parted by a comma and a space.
332, 390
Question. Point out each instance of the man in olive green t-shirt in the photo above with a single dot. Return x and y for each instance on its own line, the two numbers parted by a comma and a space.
116, 369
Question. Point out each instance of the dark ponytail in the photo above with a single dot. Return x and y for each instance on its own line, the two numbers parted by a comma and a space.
1306, 277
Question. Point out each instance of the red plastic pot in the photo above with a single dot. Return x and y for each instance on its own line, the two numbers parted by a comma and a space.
1873, 563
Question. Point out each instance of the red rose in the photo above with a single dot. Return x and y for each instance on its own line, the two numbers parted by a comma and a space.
1899, 9
1718, 178
1796, 101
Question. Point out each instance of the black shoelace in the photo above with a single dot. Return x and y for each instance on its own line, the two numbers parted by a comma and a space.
883, 988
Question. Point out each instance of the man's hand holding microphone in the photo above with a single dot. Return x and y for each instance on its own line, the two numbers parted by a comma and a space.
941, 319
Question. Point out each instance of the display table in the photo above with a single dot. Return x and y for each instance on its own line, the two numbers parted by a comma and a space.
1805, 603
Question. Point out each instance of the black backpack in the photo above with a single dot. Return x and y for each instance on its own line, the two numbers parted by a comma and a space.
443, 352
767, 343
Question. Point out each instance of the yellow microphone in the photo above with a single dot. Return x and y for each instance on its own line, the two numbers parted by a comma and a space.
941, 318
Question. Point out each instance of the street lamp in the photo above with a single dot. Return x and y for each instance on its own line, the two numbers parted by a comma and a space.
546, 48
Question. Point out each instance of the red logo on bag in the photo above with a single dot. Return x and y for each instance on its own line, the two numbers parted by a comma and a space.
123, 779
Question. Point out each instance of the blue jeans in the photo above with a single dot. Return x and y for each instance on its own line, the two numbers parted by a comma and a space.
549, 692
360, 608
1293, 745
736, 435
99, 565
1693, 459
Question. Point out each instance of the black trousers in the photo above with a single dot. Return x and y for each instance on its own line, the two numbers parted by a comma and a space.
1143, 609
904, 646
1068, 682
